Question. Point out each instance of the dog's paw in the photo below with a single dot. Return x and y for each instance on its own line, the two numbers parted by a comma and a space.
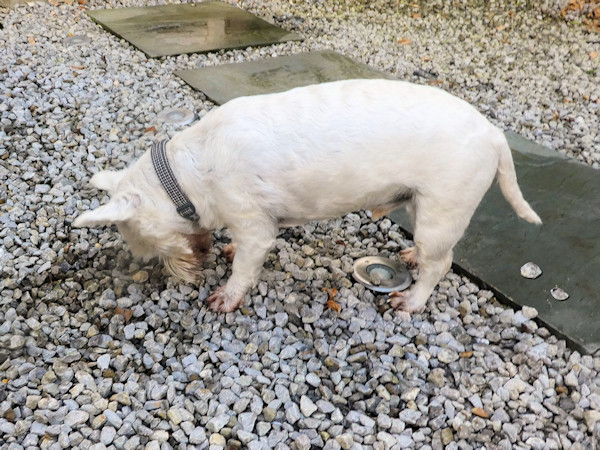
402, 301
228, 251
409, 256
222, 302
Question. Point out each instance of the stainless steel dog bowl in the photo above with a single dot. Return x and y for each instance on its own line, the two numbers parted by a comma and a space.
381, 274
177, 116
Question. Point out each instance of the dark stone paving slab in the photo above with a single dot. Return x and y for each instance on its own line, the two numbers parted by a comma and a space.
566, 195
189, 28
225, 82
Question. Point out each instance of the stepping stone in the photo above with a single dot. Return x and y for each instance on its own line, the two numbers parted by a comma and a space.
225, 82
189, 28
566, 195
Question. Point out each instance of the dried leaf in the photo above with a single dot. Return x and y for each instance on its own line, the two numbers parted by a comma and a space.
466, 354
53, 2
480, 412
426, 58
334, 306
68, 247
77, 67
501, 27
593, 54
435, 82
151, 129
82, 2
31, 40
573, 5
126, 313
404, 41
69, 2
416, 16
331, 303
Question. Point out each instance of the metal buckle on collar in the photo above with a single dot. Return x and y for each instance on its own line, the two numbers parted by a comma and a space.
188, 211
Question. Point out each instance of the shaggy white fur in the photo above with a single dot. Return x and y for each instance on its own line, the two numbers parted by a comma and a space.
317, 152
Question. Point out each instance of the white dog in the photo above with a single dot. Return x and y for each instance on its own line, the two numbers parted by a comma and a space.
264, 162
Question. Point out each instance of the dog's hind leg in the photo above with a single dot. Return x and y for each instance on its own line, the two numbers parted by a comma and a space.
437, 230
253, 243
409, 255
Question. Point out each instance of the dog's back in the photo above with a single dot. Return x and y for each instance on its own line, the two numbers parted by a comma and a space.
331, 148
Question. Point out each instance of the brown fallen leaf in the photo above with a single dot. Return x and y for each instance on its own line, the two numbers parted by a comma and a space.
501, 27
480, 412
126, 313
426, 58
466, 354
416, 16
31, 40
331, 303
82, 2
573, 5
593, 54
151, 129
334, 306
404, 41
77, 67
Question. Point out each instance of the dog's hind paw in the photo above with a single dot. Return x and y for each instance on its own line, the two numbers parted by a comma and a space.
409, 256
228, 252
403, 302
221, 302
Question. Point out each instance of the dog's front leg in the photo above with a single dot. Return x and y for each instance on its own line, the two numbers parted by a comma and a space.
252, 245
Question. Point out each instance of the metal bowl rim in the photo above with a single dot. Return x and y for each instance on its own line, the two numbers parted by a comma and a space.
399, 282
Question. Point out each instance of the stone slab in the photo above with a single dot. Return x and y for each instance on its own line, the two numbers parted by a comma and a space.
566, 195
225, 82
189, 28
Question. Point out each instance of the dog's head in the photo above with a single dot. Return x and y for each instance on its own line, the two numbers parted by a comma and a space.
148, 220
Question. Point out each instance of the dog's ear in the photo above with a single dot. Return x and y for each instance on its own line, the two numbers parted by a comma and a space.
107, 180
119, 209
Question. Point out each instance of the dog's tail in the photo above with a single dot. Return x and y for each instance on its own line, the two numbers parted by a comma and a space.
507, 179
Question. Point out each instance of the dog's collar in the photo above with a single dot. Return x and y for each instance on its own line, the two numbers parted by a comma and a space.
185, 208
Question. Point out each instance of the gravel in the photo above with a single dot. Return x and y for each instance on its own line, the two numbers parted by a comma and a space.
98, 350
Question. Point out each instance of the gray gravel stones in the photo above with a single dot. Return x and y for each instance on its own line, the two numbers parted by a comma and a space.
98, 350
